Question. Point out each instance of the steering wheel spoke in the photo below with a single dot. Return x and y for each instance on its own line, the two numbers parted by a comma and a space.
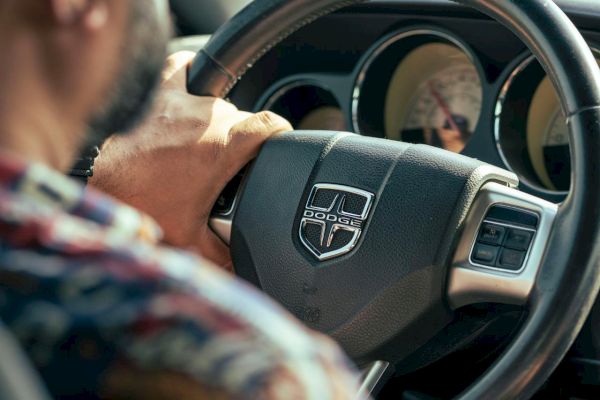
501, 248
374, 376
221, 225
221, 218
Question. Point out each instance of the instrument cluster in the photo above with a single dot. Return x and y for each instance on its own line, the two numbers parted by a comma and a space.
433, 91
425, 85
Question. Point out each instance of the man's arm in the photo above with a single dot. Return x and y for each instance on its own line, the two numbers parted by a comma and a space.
176, 164
105, 311
174, 167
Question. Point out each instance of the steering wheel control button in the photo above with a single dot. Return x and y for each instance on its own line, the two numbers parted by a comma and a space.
226, 201
492, 234
333, 219
518, 239
511, 259
504, 238
485, 254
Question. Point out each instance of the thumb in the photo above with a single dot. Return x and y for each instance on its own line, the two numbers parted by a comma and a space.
174, 74
247, 137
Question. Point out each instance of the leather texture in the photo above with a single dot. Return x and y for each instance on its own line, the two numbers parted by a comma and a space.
244, 39
391, 288
569, 279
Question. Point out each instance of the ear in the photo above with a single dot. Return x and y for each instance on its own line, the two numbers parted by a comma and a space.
91, 14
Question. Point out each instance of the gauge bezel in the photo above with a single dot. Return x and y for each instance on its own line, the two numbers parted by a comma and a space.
526, 59
280, 90
283, 87
431, 34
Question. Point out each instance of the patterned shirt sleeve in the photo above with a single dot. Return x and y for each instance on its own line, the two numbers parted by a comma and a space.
85, 300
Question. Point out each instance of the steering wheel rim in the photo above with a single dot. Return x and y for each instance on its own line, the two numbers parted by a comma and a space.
568, 280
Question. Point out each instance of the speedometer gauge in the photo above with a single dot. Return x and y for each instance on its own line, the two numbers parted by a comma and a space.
434, 98
555, 148
445, 109
548, 139
531, 131
557, 132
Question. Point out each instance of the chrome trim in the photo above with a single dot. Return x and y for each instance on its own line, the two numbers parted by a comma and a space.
506, 226
382, 46
322, 224
330, 254
498, 111
222, 228
341, 227
312, 197
371, 376
336, 226
470, 283
348, 189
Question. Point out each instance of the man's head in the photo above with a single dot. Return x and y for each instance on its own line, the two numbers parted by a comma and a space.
143, 55
71, 67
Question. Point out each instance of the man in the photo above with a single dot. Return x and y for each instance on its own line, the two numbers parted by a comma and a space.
99, 301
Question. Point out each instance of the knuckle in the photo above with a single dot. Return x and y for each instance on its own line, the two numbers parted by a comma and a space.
267, 118
270, 122
248, 135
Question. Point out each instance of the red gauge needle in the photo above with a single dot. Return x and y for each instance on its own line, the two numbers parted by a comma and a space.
442, 104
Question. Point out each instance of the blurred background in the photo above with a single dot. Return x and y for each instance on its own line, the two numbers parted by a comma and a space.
195, 20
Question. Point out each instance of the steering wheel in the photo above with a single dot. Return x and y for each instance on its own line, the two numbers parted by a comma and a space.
376, 242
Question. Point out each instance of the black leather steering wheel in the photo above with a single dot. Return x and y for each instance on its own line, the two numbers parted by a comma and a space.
398, 223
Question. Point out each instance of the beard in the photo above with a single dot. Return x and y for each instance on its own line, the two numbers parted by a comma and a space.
143, 54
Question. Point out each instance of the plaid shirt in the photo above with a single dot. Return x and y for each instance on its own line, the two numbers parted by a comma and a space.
87, 290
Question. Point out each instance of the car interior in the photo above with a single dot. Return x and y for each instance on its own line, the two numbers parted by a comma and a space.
436, 210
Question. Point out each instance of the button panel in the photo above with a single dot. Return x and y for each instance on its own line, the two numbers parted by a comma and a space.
504, 244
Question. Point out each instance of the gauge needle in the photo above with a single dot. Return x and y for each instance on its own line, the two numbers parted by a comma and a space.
442, 104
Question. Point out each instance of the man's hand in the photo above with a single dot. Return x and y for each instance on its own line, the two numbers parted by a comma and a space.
176, 164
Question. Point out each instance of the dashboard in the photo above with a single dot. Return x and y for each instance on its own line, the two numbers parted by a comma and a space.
424, 72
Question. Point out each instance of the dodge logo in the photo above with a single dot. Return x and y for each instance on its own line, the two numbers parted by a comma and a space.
333, 219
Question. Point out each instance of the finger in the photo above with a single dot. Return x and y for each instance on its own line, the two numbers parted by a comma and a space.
247, 136
175, 72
